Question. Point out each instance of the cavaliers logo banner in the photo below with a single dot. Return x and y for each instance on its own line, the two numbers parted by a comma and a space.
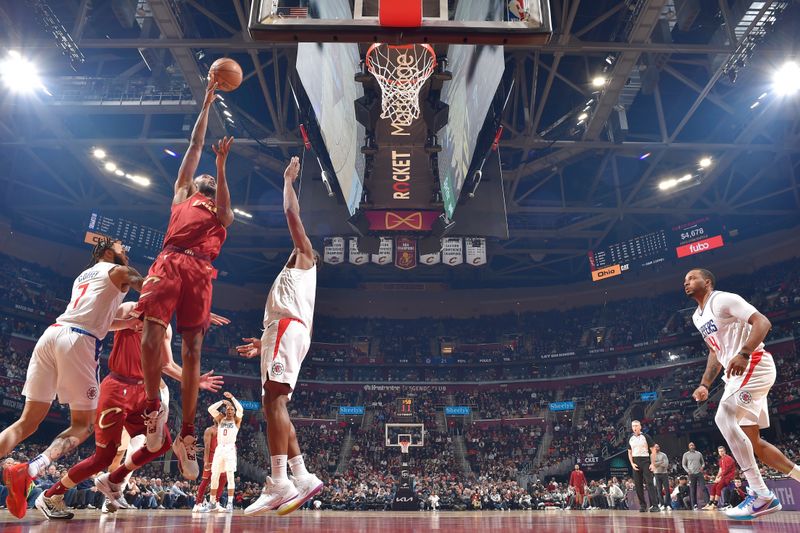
431, 259
334, 250
384, 255
405, 253
452, 251
476, 251
356, 257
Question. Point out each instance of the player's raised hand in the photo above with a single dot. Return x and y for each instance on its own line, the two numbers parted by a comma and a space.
293, 170
222, 149
227, 394
700, 394
210, 382
219, 320
211, 89
251, 349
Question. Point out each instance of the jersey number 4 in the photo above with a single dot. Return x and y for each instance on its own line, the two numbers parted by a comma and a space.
83, 288
713, 343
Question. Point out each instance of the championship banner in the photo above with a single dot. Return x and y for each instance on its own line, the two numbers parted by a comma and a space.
334, 250
431, 259
405, 253
401, 220
452, 251
384, 255
476, 251
356, 257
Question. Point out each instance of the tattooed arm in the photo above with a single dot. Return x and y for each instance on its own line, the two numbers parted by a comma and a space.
713, 368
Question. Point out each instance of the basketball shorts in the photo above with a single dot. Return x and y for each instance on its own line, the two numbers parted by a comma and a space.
284, 345
749, 391
177, 284
64, 364
224, 460
121, 410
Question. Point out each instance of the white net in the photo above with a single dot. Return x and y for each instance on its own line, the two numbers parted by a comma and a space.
401, 72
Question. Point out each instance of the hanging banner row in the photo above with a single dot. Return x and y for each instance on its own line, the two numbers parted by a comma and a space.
402, 251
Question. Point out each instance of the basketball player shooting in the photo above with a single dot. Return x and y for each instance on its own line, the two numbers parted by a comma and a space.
283, 346
735, 331
225, 453
64, 364
179, 282
209, 450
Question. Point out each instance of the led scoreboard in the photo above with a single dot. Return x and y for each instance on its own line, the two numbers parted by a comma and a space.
680, 241
405, 407
140, 241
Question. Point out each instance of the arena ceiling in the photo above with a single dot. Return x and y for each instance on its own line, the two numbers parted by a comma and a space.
686, 85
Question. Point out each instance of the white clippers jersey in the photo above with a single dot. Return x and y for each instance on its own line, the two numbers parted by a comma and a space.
94, 301
226, 433
723, 324
292, 296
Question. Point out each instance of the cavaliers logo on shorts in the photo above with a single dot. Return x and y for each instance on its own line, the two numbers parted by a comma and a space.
277, 368
744, 398
91, 393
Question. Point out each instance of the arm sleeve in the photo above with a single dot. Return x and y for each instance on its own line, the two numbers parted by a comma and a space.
213, 409
735, 306
238, 407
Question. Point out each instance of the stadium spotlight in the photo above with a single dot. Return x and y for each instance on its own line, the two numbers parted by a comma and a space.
705, 162
99, 153
170, 152
242, 213
140, 180
118, 172
582, 117
19, 74
667, 184
111, 167
598, 81
786, 79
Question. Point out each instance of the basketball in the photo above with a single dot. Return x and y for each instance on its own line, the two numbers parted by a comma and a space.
227, 73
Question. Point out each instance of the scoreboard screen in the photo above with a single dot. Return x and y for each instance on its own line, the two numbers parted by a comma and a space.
140, 241
680, 241
405, 407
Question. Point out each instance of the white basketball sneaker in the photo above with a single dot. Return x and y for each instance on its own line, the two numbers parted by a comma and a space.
155, 423
754, 506
112, 491
185, 449
274, 494
229, 507
307, 487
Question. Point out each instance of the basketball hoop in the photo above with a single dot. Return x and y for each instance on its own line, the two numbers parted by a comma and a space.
401, 71
404, 445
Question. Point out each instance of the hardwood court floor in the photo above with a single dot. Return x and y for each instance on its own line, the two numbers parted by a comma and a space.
396, 522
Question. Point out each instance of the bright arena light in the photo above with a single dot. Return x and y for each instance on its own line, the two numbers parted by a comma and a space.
598, 81
787, 79
170, 152
99, 153
243, 213
705, 162
118, 172
19, 74
667, 184
140, 180
583, 116
111, 167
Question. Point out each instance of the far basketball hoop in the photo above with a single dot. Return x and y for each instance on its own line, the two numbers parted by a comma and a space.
401, 71
404, 446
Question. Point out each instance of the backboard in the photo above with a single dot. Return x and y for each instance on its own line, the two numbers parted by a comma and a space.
415, 433
361, 21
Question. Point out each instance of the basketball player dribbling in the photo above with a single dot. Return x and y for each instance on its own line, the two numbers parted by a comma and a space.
64, 364
180, 282
120, 408
209, 449
288, 318
224, 460
735, 331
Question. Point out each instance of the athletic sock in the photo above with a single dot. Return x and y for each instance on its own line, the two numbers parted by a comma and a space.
38, 465
298, 466
187, 429
279, 467
795, 473
55, 490
756, 482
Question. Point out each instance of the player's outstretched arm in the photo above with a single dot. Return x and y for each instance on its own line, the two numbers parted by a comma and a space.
213, 410
208, 381
291, 207
123, 319
184, 185
223, 199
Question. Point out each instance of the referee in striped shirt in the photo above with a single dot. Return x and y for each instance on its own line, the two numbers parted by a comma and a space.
640, 452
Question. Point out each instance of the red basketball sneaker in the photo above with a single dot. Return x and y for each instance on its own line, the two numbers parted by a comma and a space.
17, 482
